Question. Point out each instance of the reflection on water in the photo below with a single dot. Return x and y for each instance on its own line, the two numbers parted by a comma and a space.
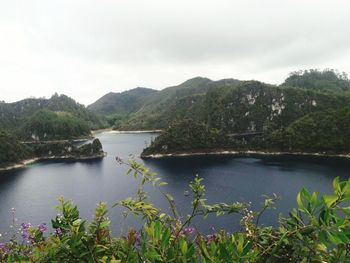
34, 191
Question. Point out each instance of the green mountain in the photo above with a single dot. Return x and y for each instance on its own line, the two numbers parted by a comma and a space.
324, 131
11, 150
253, 115
47, 125
14, 115
159, 108
165, 105
121, 103
254, 106
327, 80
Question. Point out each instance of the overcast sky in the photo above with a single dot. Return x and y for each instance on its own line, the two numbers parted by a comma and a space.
86, 48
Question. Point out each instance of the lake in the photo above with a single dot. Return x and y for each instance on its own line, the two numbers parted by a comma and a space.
33, 191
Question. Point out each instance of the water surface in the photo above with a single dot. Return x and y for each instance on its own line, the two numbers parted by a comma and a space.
34, 191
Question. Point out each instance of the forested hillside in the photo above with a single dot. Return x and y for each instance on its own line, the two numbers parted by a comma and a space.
11, 150
121, 103
161, 107
323, 131
14, 115
326, 80
307, 113
49, 125
254, 106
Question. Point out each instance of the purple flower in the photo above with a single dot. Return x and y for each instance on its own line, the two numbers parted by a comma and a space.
58, 231
42, 227
3, 248
25, 230
138, 239
26, 226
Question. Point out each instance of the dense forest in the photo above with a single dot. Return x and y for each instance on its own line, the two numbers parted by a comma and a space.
59, 118
11, 150
49, 125
326, 80
243, 104
327, 131
252, 115
159, 108
13, 115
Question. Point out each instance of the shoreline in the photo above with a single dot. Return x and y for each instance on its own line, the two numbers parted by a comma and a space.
22, 164
27, 162
110, 130
244, 153
59, 141
136, 131
94, 132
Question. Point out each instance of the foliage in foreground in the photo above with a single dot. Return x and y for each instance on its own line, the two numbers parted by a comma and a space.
318, 230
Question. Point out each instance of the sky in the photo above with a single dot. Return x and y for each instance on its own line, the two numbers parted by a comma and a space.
86, 48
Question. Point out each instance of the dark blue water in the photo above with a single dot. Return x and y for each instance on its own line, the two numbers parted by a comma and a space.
33, 191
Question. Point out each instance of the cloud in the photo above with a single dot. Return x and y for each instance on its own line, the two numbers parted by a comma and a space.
88, 48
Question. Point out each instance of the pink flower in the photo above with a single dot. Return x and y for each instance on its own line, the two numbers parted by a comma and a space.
188, 231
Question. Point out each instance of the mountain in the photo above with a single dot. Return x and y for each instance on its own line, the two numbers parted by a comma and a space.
121, 103
13, 115
252, 115
323, 131
303, 92
158, 108
326, 80
11, 150
254, 106
49, 125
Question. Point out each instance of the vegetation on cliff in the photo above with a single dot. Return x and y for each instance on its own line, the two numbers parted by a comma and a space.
13, 115
326, 80
242, 104
187, 135
121, 103
256, 116
47, 125
11, 150
156, 109
66, 149
327, 131
318, 230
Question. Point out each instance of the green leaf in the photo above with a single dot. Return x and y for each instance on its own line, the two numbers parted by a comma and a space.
183, 246
300, 202
152, 255
166, 237
336, 186
329, 200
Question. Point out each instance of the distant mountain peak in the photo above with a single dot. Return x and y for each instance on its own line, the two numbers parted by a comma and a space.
196, 81
121, 102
